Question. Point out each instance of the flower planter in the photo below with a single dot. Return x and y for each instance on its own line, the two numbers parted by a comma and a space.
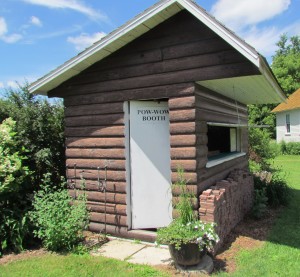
188, 255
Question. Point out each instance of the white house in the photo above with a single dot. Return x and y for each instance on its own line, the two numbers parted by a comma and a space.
288, 119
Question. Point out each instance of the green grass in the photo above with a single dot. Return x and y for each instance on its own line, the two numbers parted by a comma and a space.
74, 265
280, 255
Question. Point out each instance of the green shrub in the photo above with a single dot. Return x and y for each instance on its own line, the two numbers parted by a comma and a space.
13, 174
278, 192
275, 187
39, 127
260, 147
59, 219
260, 203
290, 148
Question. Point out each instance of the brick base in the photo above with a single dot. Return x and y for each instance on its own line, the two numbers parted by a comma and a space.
227, 202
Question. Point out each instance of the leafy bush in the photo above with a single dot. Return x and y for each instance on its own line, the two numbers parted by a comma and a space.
59, 220
260, 203
39, 127
259, 147
275, 187
12, 170
290, 148
13, 174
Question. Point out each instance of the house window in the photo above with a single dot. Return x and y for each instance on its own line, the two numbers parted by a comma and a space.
221, 140
224, 143
288, 123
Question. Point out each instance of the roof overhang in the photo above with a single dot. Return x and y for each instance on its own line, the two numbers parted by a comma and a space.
149, 19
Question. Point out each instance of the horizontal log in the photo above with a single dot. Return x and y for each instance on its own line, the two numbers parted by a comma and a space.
94, 196
90, 120
183, 153
212, 171
212, 105
202, 139
98, 131
194, 202
205, 93
108, 229
195, 48
91, 174
184, 89
95, 163
163, 66
182, 128
187, 165
183, 140
118, 220
199, 74
201, 126
190, 177
216, 116
206, 182
182, 102
201, 162
95, 142
182, 115
95, 153
176, 190
91, 185
121, 59
97, 207
94, 109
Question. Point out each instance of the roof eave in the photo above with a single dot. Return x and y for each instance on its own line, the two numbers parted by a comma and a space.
267, 73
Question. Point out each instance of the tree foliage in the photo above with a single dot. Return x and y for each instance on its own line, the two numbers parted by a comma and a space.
39, 127
286, 63
13, 175
286, 68
34, 124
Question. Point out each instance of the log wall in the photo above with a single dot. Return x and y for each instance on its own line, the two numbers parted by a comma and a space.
213, 107
164, 63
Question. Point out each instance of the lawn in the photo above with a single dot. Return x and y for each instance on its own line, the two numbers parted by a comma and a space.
280, 255
74, 265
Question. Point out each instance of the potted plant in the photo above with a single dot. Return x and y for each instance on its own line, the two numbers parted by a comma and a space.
187, 237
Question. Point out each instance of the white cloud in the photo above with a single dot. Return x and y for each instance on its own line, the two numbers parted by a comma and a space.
36, 21
12, 38
238, 14
84, 40
3, 26
75, 5
1, 85
12, 84
264, 40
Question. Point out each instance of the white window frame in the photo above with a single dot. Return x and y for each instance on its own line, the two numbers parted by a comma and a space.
235, 144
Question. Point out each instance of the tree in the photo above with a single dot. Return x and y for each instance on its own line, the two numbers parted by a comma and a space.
39, 127
286, 63
286, 68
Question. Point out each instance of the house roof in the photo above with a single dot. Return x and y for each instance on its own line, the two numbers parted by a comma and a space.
292, 103
261, 88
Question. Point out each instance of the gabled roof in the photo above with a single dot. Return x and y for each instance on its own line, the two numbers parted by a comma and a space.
292, 103
265, 90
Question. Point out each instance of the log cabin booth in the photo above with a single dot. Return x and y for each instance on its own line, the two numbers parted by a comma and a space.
167, 89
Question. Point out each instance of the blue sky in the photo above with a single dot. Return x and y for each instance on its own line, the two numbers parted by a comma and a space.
36, 36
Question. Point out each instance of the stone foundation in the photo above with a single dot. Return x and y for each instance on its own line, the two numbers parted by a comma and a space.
227, 202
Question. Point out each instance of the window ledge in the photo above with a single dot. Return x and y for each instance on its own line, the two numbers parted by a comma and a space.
287, 134
223, 158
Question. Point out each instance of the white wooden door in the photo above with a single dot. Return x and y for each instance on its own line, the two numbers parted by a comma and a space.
151, 194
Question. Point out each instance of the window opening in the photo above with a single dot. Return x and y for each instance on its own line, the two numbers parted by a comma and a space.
288, 123
222, 140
